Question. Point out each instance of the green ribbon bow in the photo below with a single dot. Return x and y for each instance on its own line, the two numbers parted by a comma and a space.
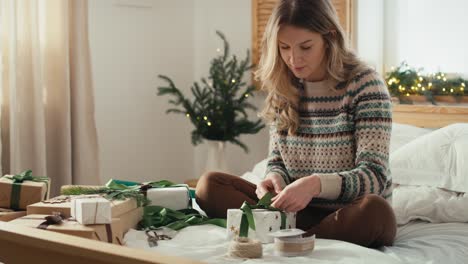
157, 216
18, 180
247, 215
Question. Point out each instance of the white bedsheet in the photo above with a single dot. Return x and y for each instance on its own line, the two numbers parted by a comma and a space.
417, 242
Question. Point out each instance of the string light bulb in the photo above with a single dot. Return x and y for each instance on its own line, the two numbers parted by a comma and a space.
246, 95
208, 123
188, 115
205, 118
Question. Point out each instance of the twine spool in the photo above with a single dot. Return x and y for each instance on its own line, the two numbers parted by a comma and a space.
243, 247
294, 246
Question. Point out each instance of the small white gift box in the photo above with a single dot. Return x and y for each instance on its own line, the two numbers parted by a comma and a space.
175, 198
91, 210
265, 222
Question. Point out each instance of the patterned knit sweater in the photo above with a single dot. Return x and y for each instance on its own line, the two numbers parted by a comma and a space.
343, 137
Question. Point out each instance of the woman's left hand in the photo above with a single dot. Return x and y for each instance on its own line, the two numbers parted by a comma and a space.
297, 195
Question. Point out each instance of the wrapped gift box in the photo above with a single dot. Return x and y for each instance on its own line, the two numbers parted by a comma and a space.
30, 192
130, 220
111, 233
8, 215
62, 204
265, 222
175, 198
91, 210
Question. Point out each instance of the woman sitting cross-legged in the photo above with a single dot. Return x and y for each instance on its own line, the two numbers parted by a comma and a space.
330, 125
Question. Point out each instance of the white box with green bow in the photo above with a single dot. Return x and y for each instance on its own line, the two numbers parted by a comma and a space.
259, 221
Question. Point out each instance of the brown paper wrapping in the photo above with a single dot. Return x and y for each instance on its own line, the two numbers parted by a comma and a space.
96, 232
6, 216
131, 219
31, 192
118, 207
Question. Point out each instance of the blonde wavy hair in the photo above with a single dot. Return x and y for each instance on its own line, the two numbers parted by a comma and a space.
281, 104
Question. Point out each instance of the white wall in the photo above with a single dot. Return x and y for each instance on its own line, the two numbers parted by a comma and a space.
130, 46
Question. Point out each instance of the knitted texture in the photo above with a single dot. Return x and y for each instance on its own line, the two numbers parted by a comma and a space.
343, 137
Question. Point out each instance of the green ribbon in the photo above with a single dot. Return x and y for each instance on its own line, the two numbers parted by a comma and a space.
126, 183
247, 220
157, 216
119, 190
18, 180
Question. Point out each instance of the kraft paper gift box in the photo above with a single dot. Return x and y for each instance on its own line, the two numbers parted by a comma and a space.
91, 210
8, 215
265, 222
62, 204
175, 198
110, 233
18, 196
130, 220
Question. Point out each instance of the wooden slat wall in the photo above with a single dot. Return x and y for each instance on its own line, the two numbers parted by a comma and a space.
261, 11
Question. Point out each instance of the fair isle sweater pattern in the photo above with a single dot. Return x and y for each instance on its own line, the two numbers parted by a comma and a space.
343, 137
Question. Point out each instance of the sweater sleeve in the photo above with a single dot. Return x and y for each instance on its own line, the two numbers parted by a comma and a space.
373, 122
275, 162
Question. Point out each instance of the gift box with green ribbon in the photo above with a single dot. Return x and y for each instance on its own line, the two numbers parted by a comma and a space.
258, 221
19, 191
167, 194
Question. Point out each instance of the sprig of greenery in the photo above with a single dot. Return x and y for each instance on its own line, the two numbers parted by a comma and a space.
404, 81
218, 110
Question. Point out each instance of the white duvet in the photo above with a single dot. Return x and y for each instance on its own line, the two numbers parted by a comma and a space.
417, 242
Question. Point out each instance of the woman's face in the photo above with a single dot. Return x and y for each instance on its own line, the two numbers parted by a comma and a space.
303, 51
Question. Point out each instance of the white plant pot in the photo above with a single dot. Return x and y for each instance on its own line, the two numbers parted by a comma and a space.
216, 156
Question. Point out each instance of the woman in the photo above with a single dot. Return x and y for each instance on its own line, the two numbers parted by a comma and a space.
330, 117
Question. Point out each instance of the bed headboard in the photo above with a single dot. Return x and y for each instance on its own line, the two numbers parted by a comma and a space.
20, 244
430, 116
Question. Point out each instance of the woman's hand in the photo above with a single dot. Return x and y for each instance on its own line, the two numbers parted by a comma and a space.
297, 195
273, 183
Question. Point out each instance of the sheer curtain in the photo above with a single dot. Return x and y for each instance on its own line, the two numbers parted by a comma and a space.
47, 102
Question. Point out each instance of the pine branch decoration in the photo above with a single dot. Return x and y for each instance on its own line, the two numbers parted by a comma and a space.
218, 110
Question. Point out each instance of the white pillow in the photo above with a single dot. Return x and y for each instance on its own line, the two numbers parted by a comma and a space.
403, 134
437, 159
429, 204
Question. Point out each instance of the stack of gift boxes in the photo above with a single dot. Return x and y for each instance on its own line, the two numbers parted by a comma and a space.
26, 203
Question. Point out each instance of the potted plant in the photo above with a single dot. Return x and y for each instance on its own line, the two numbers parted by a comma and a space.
220, 102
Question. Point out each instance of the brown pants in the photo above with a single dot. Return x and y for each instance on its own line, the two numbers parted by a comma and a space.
368, 221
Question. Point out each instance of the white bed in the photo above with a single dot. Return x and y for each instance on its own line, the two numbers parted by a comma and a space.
416, 242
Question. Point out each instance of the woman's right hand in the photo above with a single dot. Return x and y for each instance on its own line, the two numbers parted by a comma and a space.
273, 182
